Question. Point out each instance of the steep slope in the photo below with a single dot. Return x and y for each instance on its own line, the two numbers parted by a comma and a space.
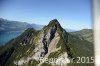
50, 42
12, 49
13, 29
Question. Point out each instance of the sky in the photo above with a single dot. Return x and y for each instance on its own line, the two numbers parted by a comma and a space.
71, 14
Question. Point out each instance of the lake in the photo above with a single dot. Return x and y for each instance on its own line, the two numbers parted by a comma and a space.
4, 38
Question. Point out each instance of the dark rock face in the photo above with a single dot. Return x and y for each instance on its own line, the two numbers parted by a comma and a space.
47, 42
5, 56
26, 39
45, 45
52, 32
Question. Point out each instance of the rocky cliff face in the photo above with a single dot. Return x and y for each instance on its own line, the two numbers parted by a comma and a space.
50, 42
46, 42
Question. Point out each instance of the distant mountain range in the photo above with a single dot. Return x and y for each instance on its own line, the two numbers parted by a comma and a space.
14, 26
86, 34
50, 42
70, 30
7, 26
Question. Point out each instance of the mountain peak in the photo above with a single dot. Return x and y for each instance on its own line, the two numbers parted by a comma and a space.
54, 21
48, 43
54, 25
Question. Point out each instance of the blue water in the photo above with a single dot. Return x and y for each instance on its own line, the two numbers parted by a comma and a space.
4, 38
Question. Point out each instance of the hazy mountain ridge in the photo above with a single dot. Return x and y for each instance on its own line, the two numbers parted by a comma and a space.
70, 30
16, 26
50, 42
7, 26
86, 34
